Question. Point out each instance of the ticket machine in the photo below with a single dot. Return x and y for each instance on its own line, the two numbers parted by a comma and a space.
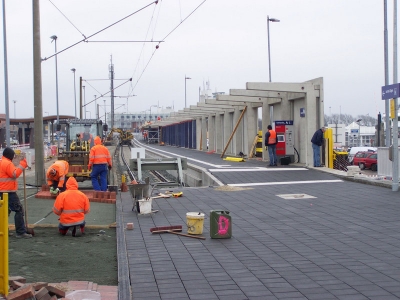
285, 137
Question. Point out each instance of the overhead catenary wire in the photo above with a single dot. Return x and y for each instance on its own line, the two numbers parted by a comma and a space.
156, 48
85, 39
130, 79
67, 19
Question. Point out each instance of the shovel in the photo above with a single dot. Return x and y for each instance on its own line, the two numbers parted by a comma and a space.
28, 230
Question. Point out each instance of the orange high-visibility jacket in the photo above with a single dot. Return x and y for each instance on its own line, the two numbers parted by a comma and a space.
272, 137
61, 167
99, 154
71, 205
9, 174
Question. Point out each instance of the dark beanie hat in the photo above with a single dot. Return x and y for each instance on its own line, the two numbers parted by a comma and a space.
9, 153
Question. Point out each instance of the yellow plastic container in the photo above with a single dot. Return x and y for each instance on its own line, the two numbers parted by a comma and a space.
195, 222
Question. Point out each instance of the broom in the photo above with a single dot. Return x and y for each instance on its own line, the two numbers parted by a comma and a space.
176, 229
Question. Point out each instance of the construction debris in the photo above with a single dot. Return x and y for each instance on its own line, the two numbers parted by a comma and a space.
20, 290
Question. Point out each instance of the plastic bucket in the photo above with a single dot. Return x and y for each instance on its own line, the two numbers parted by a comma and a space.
145, 206
195, 222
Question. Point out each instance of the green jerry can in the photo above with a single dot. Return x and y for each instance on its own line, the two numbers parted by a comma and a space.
220, 224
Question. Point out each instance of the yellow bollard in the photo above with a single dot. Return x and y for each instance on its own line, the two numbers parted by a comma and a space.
123, 178
4, 245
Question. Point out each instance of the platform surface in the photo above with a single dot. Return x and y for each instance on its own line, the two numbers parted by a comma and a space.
297, 233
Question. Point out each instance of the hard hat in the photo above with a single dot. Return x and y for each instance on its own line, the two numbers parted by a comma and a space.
53, 172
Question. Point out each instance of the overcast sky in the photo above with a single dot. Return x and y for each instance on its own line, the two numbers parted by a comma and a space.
223, 41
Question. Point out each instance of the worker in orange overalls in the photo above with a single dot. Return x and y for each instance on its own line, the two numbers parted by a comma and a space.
99, 162
71, 206
270, 145
8, 184
56, 176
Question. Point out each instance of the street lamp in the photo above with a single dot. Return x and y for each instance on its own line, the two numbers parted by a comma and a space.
73, 70
54, 38
15, 112
95, 108
186, 78
150, 110
105, 112
359, 131
84, 99
269, 54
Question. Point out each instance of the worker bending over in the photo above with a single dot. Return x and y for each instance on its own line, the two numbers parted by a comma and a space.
99, 162
56, 176
71, 206
8, 184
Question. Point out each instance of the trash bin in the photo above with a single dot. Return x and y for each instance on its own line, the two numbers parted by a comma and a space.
220, 224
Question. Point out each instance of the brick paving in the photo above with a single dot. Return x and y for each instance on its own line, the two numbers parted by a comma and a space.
342, 244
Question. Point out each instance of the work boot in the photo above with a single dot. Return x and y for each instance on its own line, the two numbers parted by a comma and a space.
23, 236
76, 233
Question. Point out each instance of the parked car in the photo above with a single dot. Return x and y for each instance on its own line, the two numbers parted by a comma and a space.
353, 150
366, 160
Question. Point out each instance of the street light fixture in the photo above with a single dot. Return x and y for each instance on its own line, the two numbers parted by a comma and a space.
150, 110
269, 54
54, 38
186, 78
84, 99
73, 70
359, 131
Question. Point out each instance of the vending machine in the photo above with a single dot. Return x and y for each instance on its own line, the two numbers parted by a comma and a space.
285, 138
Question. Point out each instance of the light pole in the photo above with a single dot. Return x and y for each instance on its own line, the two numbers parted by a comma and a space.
84, 98
186, 78
73, 70
150, 110
95, 107
269, 54
15, 112
359, 132
105, 112
54, 38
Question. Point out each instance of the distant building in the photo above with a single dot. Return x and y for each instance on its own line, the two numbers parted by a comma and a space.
133, 120
353, 135
206, 93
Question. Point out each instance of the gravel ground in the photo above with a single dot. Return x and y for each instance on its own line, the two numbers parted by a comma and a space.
50, 257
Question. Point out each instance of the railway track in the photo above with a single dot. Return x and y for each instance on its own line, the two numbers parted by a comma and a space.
122, 157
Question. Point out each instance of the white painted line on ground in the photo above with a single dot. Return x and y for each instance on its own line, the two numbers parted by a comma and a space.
257, 169
188, 158
285, 182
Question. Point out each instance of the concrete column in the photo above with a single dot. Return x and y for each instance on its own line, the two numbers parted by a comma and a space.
237, 140
219, 132
252, 128
198, 133
211, 132
227, 131
204, 133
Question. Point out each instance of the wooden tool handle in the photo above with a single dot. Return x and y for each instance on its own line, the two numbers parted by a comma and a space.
187, 235
25, 204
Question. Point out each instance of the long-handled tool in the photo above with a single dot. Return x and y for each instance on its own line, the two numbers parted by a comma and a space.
28, 230
174, 230
48, 214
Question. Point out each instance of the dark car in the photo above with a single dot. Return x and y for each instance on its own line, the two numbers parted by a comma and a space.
366, 160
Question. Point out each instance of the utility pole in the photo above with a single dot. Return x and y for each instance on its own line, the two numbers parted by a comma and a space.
37, 95
112, 93
6, 77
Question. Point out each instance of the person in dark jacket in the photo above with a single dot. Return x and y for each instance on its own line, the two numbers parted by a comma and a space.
270, 143
317, 141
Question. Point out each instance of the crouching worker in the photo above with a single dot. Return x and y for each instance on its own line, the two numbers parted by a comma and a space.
56, 176
71, 206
